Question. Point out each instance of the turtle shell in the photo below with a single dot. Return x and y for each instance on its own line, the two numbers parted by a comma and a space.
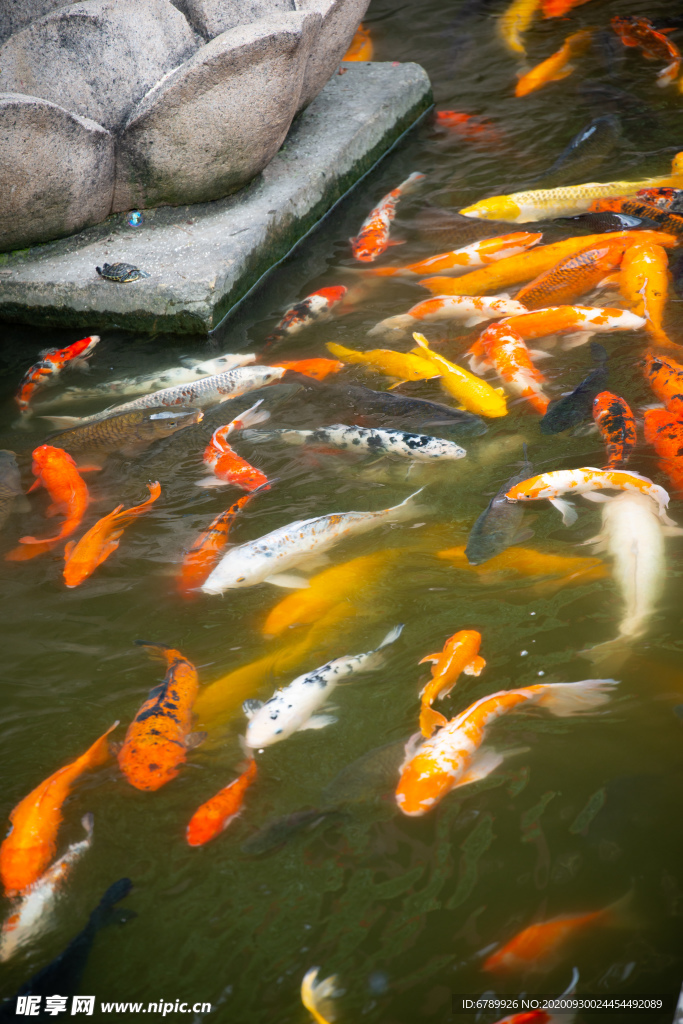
120, 272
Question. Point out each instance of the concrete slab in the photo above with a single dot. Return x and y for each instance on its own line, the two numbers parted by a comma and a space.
203, 259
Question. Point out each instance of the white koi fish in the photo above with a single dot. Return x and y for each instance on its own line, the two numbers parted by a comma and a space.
587, 481
292, 708
193, 369
268, 558
420, 447
470, 309
32, 911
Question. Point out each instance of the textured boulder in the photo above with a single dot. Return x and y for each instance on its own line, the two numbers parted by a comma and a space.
15, 14
340, 19
215, 122
56, 169
211, 17
97, 58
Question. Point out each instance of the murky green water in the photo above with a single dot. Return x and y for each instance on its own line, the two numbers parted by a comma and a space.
400, 909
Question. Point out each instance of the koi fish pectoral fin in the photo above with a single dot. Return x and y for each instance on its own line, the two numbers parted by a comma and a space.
567, 511
288, 580
482, 764
194, 739
597, 497
211, 481
433, 658
523, 536
317, 722
475, 666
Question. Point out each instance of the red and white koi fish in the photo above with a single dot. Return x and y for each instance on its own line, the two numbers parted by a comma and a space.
50, 364
460, 261
504, 349
316, 307
577, 323
373, 238
229, 467
587, 481
454, 757
471, 309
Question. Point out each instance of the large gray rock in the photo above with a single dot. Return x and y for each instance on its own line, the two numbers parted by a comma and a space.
211, 17
214, 123
340, 19
56, 169
97, 58
15, 14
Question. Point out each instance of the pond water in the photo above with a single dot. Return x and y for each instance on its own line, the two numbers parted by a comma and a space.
400, 909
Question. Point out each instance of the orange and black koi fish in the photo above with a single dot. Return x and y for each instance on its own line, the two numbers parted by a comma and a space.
664, 431
663, 197
617, 424
373, 238
635, 207
665, 376
50, 364
635, 31
207, 549
216, 814
158, 738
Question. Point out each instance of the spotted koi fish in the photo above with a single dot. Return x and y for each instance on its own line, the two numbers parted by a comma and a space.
504, 349
454, 757
214, 816
664, 198
617, 424
460, 654
418, 447
639, 31
49, 366
470, 309
206, 550
579, 322
229, 467
315, 308
665, 376
664, 431
634, 206
373, 238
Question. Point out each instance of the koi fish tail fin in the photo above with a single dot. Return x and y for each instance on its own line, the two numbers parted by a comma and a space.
407, 509
611, 655
105, 913
430, 720
251, 416
98, 753
160, 652
564, 699
138, 510
621, 913
318, 996
392, 636
396, 325
376, 659
668, 74
26, 551
414, 180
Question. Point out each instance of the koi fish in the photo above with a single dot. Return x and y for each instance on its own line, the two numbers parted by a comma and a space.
454, 757
460, 261
499, 525
665, 377
204, 553
56, 472
515, 21
418, 447
557, 66
214, 816
518, 269
318, 996
346, 582
506, 352
577, 406
665, 198
469, 309
565, 201
573, 276
373, 238
265, 559
147, 382
643, 210
558, 8
584, 153
473, 393
293, 708
229, 467
664, 431
460, 654
361, 47
587, 481
33, 913
529, 562
10, 484
157, 740
101, 540
639, 31
32, 840
49, 366
644, 285
315, 308
385, 360
617, 424
579, 322
318, 369
276, 833
128, 432
539, 1016
478, 130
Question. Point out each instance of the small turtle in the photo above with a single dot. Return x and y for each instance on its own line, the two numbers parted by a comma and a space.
122, 273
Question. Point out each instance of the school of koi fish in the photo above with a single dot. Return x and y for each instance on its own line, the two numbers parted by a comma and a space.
540, 273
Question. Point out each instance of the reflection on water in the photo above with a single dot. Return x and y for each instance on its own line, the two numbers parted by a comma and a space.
401, 910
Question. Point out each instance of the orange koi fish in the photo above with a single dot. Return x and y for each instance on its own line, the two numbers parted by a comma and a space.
644, 284
56, 472
460, 261
557, 66
664, 198
216, 814
617, 424
573, 276
460, 654
159, 736
527, 265
361, 47
229, 467
632, 206
529, 562
478, 130
32, 840
638, 31
454, 757
539, 1016
666, 380
101, 540
318, 369
505, 351
470, 309
316, 307
373, 238
586, 481
208, 547
558, 8
50, 364
664, 431
578, 321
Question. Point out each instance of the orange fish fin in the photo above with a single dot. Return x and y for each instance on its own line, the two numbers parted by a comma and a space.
396, 385
108, 548
396, 242
620, 914
24, 552
55, 509
475, 666
430, 657
68, 548
563, 73
35, 485
90, 468
430, 720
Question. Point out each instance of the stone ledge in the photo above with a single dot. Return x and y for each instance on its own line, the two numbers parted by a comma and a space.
203, 259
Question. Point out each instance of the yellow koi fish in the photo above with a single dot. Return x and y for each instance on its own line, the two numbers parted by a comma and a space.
473, 393
529, 562
515, 21
644, 285
385, 360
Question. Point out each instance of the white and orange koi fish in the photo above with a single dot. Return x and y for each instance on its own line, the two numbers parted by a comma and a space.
471, 309
504, 350
577, 323
470, 257
373, 238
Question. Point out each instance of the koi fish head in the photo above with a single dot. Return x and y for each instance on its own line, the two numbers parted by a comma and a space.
165, 422
45, 455
370, 244
333, 294
530, 490
493, 208
426, 779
